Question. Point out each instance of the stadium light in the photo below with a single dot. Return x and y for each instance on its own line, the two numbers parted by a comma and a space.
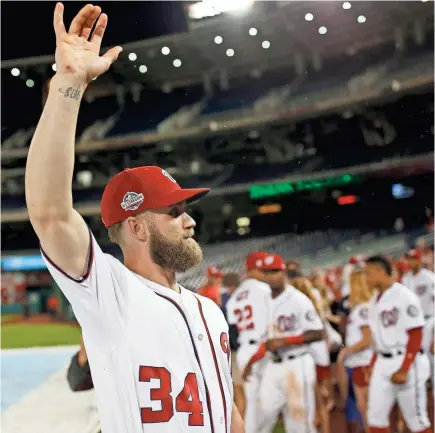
218, 40
30, 83
165, 51
253, 31
323, 30
346, 5
265, 44
54, 67
143, 69
309, 17
230, 52
177, 63
132, 57
361, 19
15, 72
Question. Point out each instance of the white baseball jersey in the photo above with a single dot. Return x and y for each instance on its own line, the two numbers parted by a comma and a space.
249, 309
358, 318
391, 314
293, 314
423, 285
160, 360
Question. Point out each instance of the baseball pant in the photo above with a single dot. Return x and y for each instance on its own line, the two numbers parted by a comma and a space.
252, 386
288, 387
411, 397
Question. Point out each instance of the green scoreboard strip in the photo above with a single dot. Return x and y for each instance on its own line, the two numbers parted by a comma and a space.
257, 192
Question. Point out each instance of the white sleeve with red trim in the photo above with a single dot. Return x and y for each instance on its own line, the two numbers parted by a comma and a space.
98, 297
310, 320
413, 313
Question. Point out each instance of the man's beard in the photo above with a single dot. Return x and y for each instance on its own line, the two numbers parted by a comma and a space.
178, 256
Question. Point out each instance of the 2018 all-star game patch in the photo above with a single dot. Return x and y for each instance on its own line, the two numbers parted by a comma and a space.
412, 311
310, 315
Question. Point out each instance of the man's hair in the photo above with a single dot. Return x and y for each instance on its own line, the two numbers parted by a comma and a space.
294, 273
231, 280
114, 232
293, 262
383, 262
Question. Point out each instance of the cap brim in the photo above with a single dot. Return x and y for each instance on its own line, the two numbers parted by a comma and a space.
187, 195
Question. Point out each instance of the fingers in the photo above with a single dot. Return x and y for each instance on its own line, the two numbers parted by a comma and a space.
59, 26
112, 54
80, 20
89, 24
100, 28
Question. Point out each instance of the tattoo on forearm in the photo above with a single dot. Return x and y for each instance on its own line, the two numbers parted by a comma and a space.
72, 93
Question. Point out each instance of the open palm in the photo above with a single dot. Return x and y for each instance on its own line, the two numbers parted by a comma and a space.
77, 52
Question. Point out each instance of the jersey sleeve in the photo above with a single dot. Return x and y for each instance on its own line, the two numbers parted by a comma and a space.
412, 312
310, 320
96, 297
362, 316
231, 318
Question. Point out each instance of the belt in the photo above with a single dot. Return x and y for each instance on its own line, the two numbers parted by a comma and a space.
278, 359
398, 353
252, 342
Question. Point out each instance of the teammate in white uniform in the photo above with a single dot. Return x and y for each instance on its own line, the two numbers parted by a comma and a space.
249, 308
358, 353
159, 354
288, 380
422, 282
400, 369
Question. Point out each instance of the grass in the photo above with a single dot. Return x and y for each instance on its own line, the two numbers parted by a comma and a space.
22, 335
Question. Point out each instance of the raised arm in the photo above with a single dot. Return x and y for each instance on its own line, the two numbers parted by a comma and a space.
61, 230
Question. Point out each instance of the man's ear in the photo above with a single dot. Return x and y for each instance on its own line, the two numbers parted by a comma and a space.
138, 228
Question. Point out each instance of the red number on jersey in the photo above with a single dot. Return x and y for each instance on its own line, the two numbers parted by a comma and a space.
162, 394
187, 401
244, 318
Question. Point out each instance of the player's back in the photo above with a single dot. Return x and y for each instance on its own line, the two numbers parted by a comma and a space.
249, 309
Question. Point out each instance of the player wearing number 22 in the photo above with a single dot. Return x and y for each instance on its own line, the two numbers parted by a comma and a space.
249, 309
400, 366
159, 354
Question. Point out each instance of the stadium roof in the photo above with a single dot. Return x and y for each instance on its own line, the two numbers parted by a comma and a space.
293, 33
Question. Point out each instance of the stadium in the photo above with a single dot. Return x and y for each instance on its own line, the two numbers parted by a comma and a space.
311, 122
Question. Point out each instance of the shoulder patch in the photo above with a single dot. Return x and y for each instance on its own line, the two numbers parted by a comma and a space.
310, 315
412, 311
364, 313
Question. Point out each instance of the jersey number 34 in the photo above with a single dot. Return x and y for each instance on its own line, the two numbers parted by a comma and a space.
187, 400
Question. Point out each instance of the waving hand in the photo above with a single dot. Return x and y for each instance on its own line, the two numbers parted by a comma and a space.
78, 49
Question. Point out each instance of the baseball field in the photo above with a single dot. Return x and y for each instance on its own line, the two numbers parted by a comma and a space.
38, 331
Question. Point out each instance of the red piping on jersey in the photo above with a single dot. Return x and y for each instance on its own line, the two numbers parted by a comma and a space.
196, 356
213, 352
88, 264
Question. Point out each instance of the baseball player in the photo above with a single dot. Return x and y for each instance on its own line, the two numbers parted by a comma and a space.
400, 368
289, 377
422, 282
357, 354
159, 354
249, 308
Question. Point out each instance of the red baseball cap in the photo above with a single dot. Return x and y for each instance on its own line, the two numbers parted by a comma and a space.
273, 262
212, 271
413, 254
255, 260
135, 190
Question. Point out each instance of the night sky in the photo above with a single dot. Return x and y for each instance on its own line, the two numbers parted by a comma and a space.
27, 30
